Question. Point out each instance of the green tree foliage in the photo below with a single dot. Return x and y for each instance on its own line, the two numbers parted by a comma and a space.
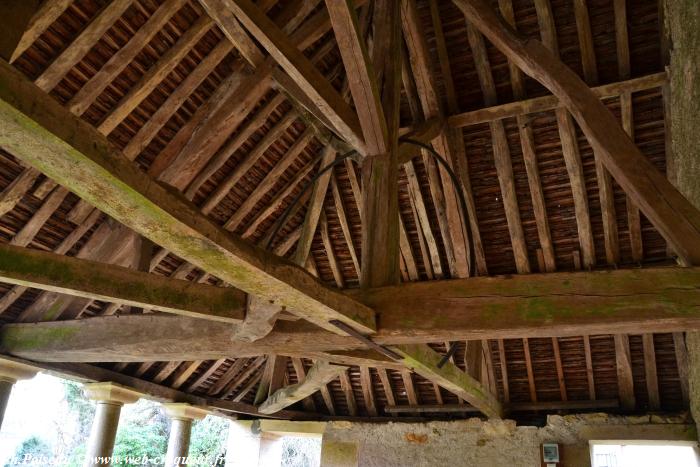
32, 448
143, 432
209, 439
83, 411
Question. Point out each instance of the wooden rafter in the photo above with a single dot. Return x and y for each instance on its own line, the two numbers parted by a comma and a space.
501, 152
625, 380
55, 72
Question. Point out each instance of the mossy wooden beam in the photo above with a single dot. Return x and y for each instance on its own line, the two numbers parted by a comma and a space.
37, 129
424, 361
538, 305
318, 376
98, 281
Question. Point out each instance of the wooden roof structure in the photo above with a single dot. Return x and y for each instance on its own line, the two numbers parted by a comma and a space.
534, 239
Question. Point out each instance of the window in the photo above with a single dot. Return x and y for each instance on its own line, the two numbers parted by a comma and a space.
643, 454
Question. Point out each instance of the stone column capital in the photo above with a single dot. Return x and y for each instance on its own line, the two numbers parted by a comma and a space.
12, 371
111, 393
184, 411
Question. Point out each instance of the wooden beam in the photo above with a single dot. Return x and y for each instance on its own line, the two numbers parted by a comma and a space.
89, 36
98, 281
45, 15
512, 407
227, 376
380, 203
457, 137
210, 126
313, 212
300, 371
574, 167
330, 252
16, 190
361, 76
386, 385
346, 387
501, 152
673, 215
545, 305
504, 370
589, 367
155, 74
259, 319
368, 390
450, 218
423, 133
344, 224
650, 371
530, 373
247, 162
633, 219
17, 18
272, 177
527, 144
270, 372
625, 381
89, 92
560, 369
299, 68
424, 361
320, 374
551, 102
682, 361
150, 129
224, 153
40, 131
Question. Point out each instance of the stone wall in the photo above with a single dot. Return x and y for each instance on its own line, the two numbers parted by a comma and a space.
480, 443
682, 24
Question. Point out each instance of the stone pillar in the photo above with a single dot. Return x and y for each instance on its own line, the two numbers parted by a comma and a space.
248, 446
181, 416
243, 447
10, 373
110, 398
